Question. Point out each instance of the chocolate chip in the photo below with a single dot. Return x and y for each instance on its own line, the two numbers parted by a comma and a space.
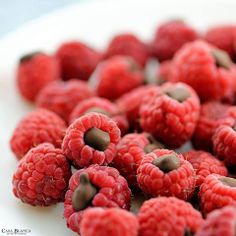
98, 110
234, 127
221, 58
97, 139
84, 193
28, 57
188, 232
167, 162
231, 182
178, 93
153, 144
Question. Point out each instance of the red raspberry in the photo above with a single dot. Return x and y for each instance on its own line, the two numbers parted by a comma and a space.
223, 37
91, 139
104, 106
34, 72
217, 191
211, 115
37, 127
198, 64
168, 216
77, 60
116, 76
130, 151
61, 97
128, 45
205, 164
163, 73
225, 144
109, 222
219, 222
130, 103
170, 113
169, 37
42, 176
165, 173
98, 186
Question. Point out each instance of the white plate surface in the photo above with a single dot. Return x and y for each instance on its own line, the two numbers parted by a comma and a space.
93, 22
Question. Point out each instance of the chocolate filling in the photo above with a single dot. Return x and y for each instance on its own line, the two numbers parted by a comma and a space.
28, 57
167, 162
221, 58
178, 93
98, 110
84, 193
231, 182
97, 139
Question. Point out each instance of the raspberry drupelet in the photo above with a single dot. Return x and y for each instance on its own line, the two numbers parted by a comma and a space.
129, 45
91, 139
165, 173
205, 164
224, 143
109, 222
42, 176
199, 63
217, 191
95, 186
34, 71
104, 106
77, 60
130, 103
223, 37
212, 114
37, 127
62, 96
130, 151
170, 113
169, 37
168, 216
219, 222
116, 76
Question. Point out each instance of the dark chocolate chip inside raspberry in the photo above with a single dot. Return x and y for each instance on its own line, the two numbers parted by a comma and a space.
98, 110
188, 232
28, 57
167, 162
178, 93
83, 194
154, 144
97, 139
221, 58
231, 182
234, 127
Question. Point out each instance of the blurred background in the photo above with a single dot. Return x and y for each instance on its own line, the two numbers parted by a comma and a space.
14, 13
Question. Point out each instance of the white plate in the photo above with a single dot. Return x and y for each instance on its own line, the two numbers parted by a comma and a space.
93, 22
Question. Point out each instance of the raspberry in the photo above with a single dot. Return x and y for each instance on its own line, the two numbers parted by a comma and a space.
163, 73
130, 103
169, 37
130, 151
211, 115
170, 113
198, 64
42, 176
77, 60
128, 45
34, 71
61, 97
225, 144
116, 76
91, 139
104, 106
98, 186
205, 164
223, 37
217, 191
165, 173
108, 222
168, 216
37, 127
219, 222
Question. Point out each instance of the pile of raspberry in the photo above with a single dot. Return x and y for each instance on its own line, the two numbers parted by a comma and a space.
132, 153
